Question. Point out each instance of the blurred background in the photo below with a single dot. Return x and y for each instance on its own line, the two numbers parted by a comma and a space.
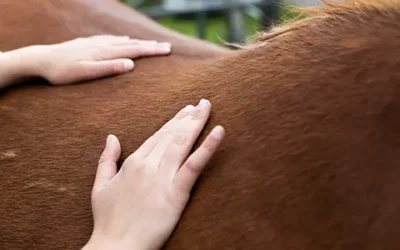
221, 21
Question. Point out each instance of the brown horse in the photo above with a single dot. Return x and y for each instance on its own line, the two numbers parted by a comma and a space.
312, 155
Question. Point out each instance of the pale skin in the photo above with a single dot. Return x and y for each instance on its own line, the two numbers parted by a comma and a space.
77, 60
139, 206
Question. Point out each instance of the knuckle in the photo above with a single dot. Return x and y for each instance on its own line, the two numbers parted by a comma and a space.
113, 66
164, 131
180, 139
84, 72
56, 76
103, 159
117, 66
211, 144
193, 167
199, 114
134, 161
182, 114
142, 49
177, 197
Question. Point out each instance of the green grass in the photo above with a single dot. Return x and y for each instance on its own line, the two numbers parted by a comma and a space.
217, 32
216, 29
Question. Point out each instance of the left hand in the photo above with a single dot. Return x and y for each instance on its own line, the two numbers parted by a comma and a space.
77, 60
94, 57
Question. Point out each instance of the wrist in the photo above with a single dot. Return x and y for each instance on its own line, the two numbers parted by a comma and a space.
102, 243
31, 60
105, 246
19, 64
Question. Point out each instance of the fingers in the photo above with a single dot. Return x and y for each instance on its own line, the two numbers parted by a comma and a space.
114, 47
109, 38
107, 167
93, 70
123, 40
135, 42
175, 151
99, 40
135, 50
176, 144
194, 165
148, 146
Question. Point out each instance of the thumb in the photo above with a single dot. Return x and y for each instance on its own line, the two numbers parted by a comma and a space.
107, 167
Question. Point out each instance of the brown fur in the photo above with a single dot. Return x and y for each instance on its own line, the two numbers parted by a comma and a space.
311, 160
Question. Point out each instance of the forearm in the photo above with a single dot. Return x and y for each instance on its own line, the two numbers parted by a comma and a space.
17, 65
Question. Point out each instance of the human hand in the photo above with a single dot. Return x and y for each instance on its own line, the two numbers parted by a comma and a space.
93, 57
138, 207
76, 60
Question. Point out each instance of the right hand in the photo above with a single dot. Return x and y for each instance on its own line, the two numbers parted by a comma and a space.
139, 207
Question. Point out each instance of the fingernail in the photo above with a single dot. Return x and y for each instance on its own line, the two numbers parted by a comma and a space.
167, 49
203, 103
108, 142
218, 132
189, 108
128, 65
166, 46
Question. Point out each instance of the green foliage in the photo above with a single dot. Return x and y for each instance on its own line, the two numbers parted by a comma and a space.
216, 28
217, 31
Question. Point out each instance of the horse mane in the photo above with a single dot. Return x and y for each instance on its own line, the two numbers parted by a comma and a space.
332, 10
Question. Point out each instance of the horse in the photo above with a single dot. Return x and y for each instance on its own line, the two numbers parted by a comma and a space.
312, 153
